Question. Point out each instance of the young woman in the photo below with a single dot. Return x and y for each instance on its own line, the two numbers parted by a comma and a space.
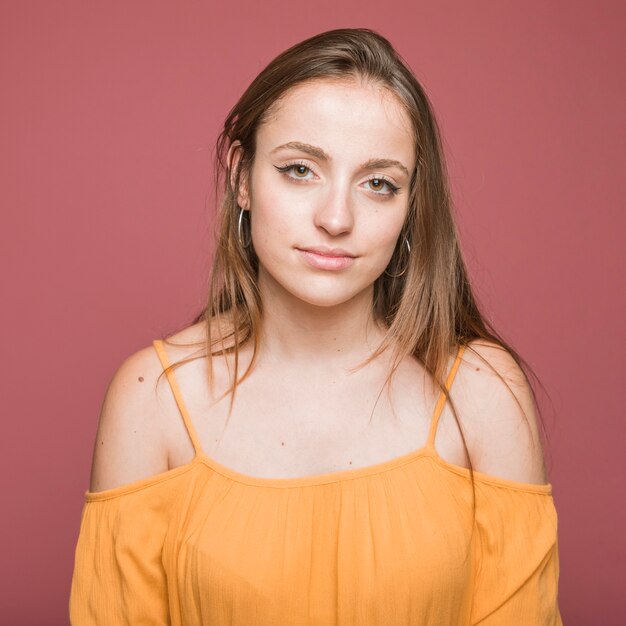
298, 492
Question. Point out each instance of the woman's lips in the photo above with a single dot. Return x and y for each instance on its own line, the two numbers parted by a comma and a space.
324, 262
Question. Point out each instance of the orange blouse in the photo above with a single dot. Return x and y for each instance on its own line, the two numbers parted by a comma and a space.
392, 543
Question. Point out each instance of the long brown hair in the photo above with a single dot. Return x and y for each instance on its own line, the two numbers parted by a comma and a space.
429, 310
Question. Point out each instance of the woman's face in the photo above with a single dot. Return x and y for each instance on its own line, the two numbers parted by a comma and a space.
327, 164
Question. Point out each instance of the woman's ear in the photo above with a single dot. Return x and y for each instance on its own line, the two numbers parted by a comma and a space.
233, 160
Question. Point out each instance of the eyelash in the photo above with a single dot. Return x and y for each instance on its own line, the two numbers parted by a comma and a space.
394, 189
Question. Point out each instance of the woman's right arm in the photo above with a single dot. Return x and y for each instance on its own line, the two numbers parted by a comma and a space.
129, 442
118, 575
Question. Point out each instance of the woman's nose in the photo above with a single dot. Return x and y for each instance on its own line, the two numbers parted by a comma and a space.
334, 212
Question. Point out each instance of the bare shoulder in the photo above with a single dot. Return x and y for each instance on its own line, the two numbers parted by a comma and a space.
498, 412
139, 421
129, 443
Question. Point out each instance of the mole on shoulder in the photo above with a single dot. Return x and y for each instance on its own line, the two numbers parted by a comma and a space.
478, 368
140, 379
282, 443
350, 462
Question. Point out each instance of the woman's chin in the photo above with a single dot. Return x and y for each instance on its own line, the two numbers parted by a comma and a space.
316, 288
321, 295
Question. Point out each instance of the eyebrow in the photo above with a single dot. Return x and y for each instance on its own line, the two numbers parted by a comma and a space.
320, 154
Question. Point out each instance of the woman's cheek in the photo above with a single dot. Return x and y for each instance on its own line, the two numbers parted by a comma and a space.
271, 239
269, 228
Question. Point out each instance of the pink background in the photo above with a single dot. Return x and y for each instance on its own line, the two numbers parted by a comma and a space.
109, 112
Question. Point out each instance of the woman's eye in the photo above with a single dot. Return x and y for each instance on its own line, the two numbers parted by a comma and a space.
379, 183
300, 171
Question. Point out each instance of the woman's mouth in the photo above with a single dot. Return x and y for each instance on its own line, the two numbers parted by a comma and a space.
326, 261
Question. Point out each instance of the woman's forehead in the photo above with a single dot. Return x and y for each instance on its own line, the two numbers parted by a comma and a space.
337, 114
352, 91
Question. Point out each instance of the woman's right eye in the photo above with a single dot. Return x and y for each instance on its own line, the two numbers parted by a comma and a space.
300, 170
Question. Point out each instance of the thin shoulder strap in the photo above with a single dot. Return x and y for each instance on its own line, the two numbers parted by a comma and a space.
160, 350
442, 398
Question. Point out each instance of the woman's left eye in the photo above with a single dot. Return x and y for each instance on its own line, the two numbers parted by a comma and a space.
377, 182
383, 181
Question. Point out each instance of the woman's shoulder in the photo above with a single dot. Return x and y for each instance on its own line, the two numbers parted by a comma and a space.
497, 410
134, 424
128, 443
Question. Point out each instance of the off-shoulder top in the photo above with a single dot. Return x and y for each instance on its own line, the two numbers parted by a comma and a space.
390, 544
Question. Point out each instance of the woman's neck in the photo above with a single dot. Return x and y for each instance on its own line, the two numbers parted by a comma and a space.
302, 333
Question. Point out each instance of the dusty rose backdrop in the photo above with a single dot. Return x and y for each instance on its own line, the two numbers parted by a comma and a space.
109, 111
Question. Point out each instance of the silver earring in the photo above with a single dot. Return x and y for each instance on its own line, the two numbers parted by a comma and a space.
408, 245
244, 245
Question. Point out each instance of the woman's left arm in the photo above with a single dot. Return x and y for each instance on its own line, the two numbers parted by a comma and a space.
517, 575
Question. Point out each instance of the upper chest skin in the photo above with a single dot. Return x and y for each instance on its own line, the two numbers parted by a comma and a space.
289, 421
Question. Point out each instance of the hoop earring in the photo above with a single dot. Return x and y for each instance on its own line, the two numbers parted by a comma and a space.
408, 245
243, 245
